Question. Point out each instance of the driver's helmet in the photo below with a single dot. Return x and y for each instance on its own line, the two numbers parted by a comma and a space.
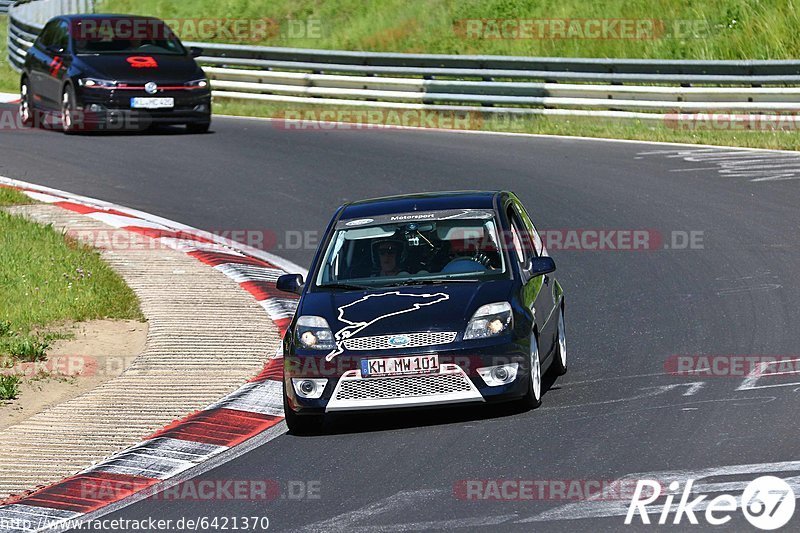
392, 245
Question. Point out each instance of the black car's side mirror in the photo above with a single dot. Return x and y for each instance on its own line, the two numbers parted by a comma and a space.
290, 283
195, 51
542, 265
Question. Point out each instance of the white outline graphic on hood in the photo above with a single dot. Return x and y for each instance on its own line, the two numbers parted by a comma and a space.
354, 328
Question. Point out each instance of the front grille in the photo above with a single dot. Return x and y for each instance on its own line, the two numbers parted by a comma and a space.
381, 342
400, 387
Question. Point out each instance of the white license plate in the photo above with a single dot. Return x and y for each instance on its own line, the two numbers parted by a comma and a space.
398, 366
152, 103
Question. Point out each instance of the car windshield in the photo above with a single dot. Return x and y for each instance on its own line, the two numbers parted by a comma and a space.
413, 248
124, 36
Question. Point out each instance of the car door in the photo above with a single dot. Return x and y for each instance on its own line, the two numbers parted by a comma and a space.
550, 297
48, 63
38, 62
536, 293
59, 61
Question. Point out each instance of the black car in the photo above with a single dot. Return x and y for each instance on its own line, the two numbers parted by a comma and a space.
423, 300
113, 72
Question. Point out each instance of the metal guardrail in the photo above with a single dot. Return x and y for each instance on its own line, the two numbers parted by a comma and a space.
623, 88
4, 5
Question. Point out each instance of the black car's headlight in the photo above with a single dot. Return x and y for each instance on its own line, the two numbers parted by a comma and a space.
197, 84
313, 333
96, 83
489, 320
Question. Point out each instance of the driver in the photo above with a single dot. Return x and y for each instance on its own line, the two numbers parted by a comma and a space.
390, 256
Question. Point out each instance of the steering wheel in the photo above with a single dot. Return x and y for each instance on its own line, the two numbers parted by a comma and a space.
463, 264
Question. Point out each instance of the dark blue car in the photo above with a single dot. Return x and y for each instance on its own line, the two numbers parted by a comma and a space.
423, 300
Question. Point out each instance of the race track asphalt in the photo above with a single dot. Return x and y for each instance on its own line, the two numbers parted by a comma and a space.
616, 414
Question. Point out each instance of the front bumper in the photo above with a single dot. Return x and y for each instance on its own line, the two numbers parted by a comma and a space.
449, 385
112, 109
457, 380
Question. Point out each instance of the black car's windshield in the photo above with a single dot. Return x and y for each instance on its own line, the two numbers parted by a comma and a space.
124, 36
414, 248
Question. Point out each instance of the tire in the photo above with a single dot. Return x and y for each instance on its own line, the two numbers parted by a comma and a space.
301, 424
198, 127
560, 361
26, 110
533, 397
68, 110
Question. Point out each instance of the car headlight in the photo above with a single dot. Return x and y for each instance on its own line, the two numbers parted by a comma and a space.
313, 332
489, 320
95, 83
197, 84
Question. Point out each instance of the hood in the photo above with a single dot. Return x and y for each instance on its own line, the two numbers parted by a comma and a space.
176, 69
445, 307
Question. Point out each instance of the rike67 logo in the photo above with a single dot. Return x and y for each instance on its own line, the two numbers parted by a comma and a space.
767, 503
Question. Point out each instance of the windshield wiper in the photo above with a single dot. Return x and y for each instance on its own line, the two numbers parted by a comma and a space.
345, 286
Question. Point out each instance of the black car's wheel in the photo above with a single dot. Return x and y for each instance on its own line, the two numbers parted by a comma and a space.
198, 127
301, 424
533, 397
68, 115
560, 361
25, 105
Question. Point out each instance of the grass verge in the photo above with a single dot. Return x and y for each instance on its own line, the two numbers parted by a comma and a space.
9, 387
579, 126
9, 79
714, 29
47, 279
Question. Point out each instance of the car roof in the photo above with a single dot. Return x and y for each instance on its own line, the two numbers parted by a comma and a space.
429, 201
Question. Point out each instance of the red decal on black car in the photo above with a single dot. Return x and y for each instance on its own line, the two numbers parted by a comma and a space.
142, 62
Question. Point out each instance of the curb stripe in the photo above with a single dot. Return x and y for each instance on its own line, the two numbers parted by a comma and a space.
223, 427
265, 397
273, 370
71, 494
253, 408
40, 517
216, 258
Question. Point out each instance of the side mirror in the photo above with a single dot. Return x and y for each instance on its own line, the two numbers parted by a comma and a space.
542, 265
195, 51
290, 283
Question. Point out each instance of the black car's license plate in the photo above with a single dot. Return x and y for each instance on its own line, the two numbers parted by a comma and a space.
398, 366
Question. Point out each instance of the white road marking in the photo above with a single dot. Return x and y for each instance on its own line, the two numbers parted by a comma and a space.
648, 392
119, 221
598, 507
749, 383
350, 521
755, 165
764, 287
43, 197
